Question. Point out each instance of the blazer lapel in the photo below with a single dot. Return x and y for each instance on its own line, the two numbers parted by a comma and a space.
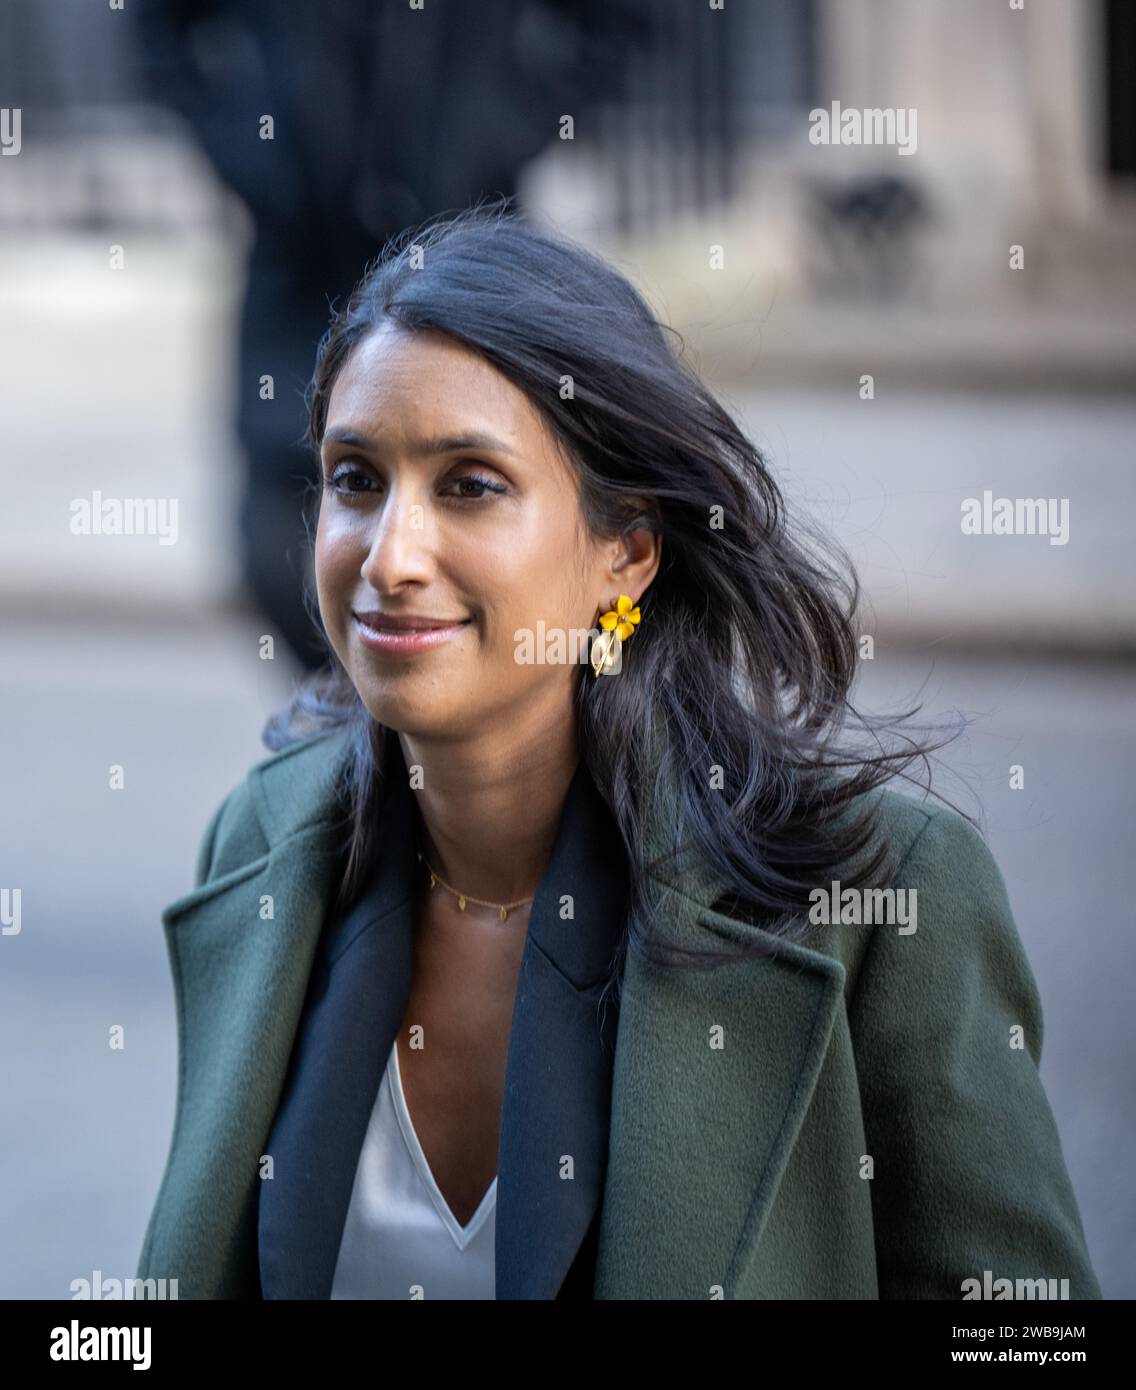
356, 1001
552, 1160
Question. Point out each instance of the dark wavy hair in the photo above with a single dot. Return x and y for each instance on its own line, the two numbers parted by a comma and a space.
748, 658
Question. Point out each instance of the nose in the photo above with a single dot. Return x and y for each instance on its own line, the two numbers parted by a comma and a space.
401, 549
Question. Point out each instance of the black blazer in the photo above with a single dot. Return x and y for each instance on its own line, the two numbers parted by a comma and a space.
558, 1076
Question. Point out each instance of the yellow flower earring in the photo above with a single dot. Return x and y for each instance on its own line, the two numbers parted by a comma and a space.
617, 626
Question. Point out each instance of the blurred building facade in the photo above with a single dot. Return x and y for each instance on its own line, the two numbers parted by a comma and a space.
785, 264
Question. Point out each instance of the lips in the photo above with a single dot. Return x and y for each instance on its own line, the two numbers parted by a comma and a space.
406, 634
407, 622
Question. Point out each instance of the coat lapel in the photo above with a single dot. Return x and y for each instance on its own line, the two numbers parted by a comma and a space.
714, 1074
707, 1090
240, 979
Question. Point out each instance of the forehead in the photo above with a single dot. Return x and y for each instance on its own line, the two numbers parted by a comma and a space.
394, 379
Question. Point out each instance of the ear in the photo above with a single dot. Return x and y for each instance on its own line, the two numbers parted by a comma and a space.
634, 557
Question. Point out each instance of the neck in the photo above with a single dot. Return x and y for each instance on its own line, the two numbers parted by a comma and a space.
491, 806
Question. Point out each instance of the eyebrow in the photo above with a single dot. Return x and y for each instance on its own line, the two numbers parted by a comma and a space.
440, 444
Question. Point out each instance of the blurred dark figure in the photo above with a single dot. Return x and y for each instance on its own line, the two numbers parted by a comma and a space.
383, 115
870, 227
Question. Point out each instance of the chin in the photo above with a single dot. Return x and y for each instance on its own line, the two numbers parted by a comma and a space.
406, 712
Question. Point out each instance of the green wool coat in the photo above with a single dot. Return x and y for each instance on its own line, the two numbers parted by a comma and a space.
851, 1120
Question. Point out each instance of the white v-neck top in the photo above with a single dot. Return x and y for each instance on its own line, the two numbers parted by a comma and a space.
400, 1239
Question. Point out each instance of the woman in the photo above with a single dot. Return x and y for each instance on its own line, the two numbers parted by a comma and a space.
533, 967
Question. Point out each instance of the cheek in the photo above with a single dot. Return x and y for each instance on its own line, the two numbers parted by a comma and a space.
337, 539
322, 559
334, 563
536, 575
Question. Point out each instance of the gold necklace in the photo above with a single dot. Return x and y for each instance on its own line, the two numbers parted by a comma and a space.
463, 898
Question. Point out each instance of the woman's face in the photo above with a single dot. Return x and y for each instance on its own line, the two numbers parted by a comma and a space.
445, 500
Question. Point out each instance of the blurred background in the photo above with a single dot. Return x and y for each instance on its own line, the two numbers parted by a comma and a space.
898, 331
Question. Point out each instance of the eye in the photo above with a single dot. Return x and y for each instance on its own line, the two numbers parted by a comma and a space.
350, 481
471, 487
341, 479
